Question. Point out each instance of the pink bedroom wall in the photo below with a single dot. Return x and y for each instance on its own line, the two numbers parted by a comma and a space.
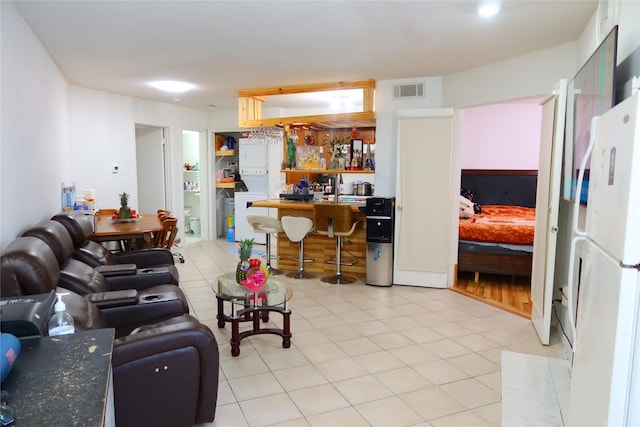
501, 136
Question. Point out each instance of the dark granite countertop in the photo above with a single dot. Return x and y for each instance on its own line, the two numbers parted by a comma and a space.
61, 380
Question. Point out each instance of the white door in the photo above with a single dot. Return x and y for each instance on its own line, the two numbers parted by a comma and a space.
150, 166
547, 203
424, 198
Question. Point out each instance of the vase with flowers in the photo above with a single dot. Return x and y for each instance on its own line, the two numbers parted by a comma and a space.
336, 152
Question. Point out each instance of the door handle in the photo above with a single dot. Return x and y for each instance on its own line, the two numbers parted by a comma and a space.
399, 207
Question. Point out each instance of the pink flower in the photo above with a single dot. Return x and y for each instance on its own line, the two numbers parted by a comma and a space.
259, 277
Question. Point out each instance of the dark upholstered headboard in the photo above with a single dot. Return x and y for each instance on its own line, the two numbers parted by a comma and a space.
501, 187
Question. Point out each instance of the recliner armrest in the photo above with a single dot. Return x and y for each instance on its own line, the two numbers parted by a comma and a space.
113, 298
117, 270
147, 257
142, 279
163, 302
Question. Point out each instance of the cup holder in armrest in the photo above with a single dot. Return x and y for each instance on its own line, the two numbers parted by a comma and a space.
157, 297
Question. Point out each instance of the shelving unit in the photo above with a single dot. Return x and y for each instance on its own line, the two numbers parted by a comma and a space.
327, 171
225, 153
225, 191
191, 180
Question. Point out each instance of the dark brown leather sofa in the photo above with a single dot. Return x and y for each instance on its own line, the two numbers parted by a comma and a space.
82, 278
94, 254
165, 367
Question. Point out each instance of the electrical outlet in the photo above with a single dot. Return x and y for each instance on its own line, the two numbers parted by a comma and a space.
564, 291
115, 169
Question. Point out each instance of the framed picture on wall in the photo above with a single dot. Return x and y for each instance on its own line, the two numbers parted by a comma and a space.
356, 152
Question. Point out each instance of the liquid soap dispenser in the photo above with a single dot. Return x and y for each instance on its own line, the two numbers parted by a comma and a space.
61, 323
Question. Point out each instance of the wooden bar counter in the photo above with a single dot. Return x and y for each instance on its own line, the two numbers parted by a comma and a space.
318, 247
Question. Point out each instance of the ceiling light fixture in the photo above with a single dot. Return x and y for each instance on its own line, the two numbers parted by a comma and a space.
488, 9
172, 86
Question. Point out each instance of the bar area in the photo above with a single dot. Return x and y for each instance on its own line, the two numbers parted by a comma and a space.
316, 246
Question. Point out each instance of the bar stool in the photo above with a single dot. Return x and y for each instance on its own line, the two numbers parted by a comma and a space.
296, 229
334, 220
268, 225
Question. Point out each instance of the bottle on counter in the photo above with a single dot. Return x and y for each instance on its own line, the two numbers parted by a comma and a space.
61, 323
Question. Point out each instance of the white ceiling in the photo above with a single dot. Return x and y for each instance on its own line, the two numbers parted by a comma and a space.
223, 46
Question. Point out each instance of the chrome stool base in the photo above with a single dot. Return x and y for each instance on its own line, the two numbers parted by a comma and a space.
338, 280
301, 275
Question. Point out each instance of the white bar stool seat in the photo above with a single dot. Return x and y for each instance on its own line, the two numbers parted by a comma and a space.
297, 228
268, 225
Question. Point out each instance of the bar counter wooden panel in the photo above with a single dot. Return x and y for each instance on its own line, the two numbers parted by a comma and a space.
318, 247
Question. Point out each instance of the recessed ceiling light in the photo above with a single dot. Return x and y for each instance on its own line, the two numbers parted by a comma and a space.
172, 86
488, 9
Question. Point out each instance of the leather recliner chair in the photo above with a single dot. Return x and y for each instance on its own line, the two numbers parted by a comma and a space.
94, 254
28, 266
82, 278
165, 371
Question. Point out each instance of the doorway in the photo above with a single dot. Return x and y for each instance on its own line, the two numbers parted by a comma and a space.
192, 186
500, 136
151, 168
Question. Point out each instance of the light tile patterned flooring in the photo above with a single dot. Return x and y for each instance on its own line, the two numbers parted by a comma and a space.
361, 355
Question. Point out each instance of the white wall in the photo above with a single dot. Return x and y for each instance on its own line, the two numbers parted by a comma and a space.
103, 132
387, 126
53, 132
500, 136
524, 76
34, 141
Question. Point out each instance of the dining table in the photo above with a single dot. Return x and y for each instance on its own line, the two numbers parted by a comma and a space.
142, 228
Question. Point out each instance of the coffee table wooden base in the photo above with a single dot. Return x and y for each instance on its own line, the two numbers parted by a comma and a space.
254, 314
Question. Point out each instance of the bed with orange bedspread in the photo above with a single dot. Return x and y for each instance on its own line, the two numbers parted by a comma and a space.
500, 224
500, 239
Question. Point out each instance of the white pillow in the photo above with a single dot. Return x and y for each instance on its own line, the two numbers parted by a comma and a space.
466, 212
466, 207
466, 202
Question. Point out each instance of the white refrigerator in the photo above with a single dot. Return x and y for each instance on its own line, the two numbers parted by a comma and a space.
605, 382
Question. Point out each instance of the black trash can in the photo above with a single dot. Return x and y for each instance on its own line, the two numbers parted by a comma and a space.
380, 223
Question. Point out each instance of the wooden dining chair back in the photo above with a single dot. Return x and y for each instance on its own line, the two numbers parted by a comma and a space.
107, 212
163, 213
167, 236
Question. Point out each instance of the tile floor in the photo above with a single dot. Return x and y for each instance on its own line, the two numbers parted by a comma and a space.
361, 355
535, 390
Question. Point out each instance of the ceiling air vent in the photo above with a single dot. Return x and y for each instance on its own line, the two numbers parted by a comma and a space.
408, 90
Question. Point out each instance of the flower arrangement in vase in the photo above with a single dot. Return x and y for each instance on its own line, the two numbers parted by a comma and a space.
249, 272
336, 151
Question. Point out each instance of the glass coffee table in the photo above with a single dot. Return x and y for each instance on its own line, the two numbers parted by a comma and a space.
250, 306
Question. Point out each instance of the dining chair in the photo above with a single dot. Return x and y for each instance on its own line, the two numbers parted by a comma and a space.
115, 246
167, 237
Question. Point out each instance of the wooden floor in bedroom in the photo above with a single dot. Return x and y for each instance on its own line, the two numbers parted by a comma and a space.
509, 293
